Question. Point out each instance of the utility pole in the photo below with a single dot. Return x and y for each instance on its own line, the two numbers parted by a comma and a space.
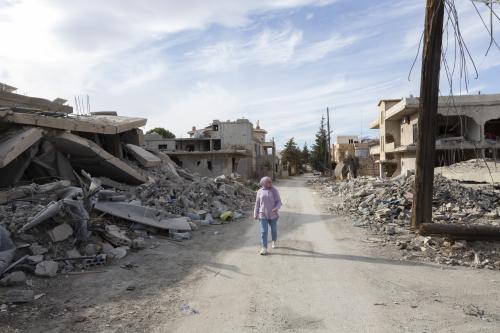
328, 160
427, 113
274, 159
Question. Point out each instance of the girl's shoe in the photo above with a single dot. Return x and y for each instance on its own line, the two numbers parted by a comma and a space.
274, 244
263, 251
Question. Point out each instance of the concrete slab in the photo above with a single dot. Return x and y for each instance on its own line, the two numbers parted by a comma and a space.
88, 156
47, 268
143, 156
16, 142
31, 190
143, 215
60, 233
10, 99
90, 124
473, 171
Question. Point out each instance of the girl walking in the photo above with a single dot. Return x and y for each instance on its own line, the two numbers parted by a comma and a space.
267, 204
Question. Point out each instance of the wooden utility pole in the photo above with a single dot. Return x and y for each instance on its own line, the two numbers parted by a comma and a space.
329, 158
427, 113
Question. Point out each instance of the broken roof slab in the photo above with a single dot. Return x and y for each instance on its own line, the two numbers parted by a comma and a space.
100, 124
88, 156
143, 215
143, 156
11, 99
16, 142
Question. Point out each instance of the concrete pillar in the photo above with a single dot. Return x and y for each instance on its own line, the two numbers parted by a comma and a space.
382, 170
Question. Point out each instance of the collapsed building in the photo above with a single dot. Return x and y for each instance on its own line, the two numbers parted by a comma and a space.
228, 148
350, 155
467, 127
79, 190
43, 139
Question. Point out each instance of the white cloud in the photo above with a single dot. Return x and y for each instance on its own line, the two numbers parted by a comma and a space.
284, 46
54, 47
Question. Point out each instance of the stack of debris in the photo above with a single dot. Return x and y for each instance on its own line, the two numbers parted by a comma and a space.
80, 191
384, 206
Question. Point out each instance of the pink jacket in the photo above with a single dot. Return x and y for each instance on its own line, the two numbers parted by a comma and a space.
266, 200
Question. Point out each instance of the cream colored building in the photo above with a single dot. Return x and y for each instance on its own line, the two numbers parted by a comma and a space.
467, 127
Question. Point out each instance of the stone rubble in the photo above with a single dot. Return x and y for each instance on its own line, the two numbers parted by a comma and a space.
64, 243
384, 207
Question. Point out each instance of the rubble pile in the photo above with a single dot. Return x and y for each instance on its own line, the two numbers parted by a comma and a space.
384, 206
79, 191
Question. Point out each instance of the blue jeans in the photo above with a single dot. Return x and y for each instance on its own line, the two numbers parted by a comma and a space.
264, 223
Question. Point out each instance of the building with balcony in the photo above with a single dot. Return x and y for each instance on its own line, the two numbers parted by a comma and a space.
222, 148
467, 127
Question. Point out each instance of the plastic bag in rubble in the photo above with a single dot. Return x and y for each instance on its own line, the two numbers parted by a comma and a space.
7, 249
227, 216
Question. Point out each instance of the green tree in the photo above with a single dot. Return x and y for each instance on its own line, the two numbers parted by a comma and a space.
319, 149
306, 155
292, 155
165, 133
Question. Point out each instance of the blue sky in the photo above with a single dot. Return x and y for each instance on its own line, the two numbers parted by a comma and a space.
183, 64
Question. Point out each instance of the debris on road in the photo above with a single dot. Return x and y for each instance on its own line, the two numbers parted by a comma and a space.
384, 207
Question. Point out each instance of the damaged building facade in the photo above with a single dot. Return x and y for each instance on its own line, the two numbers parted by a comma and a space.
352, 150
467, 127
222, 148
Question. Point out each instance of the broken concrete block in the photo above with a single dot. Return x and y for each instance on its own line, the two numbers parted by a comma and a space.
47, 268
18, 296
143, 156
37, 249
180, 236
61, 232
13, 279
384, 212
35, 259
116, 236
108, 250
139, 243
193, 225
73, 253
90, 249
119, 252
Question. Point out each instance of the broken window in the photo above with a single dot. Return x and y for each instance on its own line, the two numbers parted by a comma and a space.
209, 165
215, 127
190, 147
458, 127
492, 130
217, 144
234, 164
205, 145
415, 133
163, 147
198, 163
176, 160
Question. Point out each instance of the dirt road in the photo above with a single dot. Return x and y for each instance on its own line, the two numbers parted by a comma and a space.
324, 277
